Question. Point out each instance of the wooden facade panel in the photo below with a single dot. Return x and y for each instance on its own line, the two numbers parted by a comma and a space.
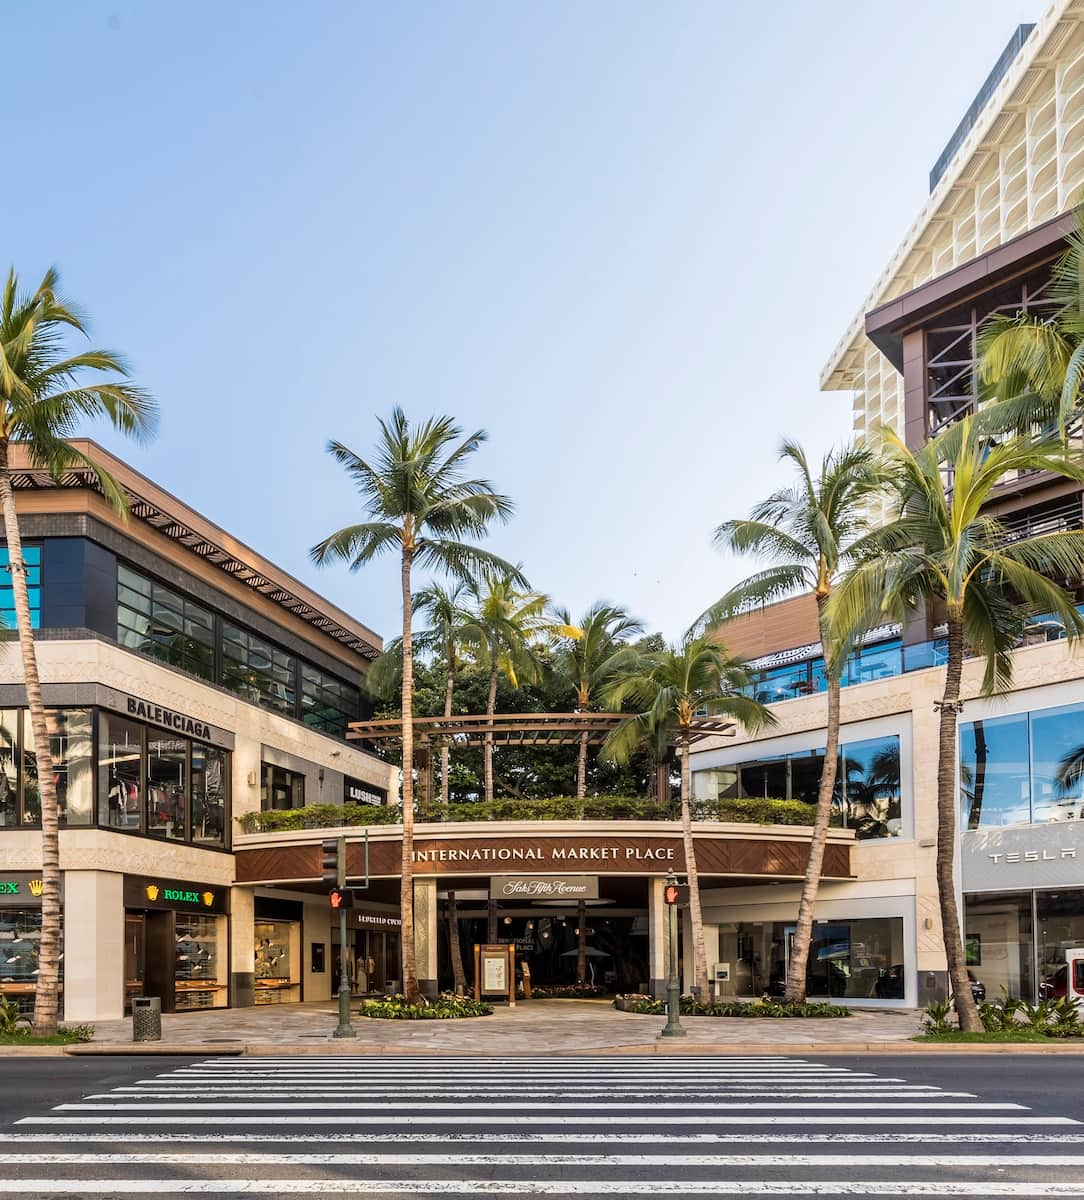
599, 854
779, 626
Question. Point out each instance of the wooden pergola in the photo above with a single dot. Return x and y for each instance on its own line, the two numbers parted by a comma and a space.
512, 729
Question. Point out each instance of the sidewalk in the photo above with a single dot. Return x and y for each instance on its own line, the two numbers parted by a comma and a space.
536, 1027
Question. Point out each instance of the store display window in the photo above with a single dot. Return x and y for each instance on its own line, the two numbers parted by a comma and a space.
199, 979
277, 962
20, 939
71, 742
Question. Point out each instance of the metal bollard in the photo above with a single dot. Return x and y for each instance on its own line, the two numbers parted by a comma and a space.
146, 1019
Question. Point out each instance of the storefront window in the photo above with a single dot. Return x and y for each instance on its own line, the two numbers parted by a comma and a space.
210, 779
257, 670
1060, 923
277, 962
166, 786
158, 621
994, 771
281, 788
9, 770
1057, 762
120, 772
32, 558
327, 703
860, 958
20, 940
197, 982
867, 797
998, 941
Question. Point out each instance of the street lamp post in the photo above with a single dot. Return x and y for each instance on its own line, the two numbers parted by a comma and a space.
673, 1026
344, 1028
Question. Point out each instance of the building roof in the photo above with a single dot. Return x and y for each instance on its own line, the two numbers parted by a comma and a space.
174, 519
1020, 164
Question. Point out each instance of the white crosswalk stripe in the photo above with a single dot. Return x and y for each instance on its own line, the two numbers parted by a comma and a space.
608, 1126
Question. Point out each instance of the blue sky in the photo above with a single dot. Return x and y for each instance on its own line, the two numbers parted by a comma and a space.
623, 237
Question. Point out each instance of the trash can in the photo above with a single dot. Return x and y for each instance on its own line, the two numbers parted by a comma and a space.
146, 1019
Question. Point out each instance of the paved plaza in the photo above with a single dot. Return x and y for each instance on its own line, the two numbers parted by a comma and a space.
533, 1027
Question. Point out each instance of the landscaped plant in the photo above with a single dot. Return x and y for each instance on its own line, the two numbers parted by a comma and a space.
420, 504
445, 1008
16, 1028
320, 816
937, 1017
11, 1021
777, 1009
568, 991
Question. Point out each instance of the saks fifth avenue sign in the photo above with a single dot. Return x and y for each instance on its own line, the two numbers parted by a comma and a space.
544, 887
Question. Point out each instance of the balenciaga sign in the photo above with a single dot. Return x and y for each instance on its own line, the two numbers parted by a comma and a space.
1023, 856
143, 710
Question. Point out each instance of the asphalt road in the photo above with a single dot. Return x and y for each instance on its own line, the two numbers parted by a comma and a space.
616, 1126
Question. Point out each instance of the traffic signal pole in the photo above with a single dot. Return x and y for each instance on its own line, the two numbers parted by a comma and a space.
673, 1026
334, 864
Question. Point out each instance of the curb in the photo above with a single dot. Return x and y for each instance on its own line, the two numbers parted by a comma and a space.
363, 1049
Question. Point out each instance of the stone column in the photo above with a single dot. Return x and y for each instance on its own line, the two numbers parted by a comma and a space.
242, 946
93, 946
425, 934
656, 938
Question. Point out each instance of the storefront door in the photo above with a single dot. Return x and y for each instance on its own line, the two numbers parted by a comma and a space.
135, 951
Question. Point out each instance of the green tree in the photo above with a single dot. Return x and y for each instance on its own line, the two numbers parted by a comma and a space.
810, 532
507, 623
1037, 356
45, 392
940, 547
421, 504
667, 688
588, 659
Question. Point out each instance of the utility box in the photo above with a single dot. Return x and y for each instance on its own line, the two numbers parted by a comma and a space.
722, 972
146, 1019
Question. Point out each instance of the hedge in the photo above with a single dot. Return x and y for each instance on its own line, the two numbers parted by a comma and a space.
549, 808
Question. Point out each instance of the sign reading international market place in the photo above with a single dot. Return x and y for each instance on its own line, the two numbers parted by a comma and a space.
544, 887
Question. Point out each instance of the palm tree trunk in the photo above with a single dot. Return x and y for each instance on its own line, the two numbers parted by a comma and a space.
491, 708
696, 917
803, 928
445, 749
459, 976
47, 986
966, 1010
406, 892
581, 769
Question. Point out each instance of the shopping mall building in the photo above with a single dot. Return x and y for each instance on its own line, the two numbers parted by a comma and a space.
193, 685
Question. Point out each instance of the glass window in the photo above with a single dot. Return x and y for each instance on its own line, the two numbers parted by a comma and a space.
871, 785
257, 670
998, 938
210, 780
9, 768
32, 558
994, 783
20, 941
167, 790
327, 703
158, 621
1060, 917
281, 788
1057, 763
806, 769
71, 741
120, 772
766, 778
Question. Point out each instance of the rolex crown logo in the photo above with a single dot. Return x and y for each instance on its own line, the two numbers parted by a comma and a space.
36, 887
152, 891
208, 898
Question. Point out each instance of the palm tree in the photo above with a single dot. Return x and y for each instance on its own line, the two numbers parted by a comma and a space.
668, 688
421, 504
590, 658
810, 531
1038, 355
506, 622
44, 393
941, 548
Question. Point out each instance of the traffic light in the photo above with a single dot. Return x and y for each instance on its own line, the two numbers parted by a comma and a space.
340, 898
676, 893
333, 861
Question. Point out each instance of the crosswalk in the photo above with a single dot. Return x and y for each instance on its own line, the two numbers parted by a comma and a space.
521, 1126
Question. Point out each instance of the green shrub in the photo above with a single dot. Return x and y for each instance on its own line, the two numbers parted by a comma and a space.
773, 1009
568, 991
937, 1017
320, 816
11, 1023
755, 811
638, 1003
444, 1008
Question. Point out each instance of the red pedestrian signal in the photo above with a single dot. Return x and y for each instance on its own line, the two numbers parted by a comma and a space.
670, 893
340, 898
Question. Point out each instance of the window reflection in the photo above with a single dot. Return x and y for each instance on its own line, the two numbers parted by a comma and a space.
209, 783
120, 772
166, 786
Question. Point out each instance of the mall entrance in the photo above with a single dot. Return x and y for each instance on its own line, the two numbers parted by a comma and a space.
547, 935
